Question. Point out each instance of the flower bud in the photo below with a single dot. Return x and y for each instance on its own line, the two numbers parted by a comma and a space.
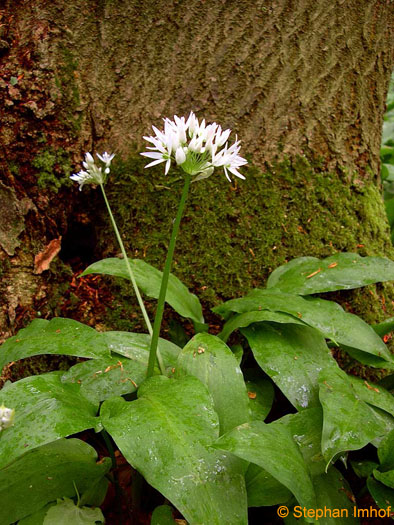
180, 156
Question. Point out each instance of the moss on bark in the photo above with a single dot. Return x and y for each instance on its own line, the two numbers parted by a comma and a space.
233, 235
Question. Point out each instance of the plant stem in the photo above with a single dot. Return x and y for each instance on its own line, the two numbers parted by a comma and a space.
164, 281
118, 490
131, 275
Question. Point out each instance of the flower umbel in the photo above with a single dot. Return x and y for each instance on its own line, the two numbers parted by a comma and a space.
93, 174
6, 417
196, 147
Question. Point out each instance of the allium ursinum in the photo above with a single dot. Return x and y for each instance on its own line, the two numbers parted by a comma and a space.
6, 417
93, 174
196, 147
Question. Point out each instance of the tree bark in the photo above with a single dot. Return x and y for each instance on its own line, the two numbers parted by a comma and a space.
302, 82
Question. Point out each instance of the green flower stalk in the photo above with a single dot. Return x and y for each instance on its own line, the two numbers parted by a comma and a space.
198, 149
93, 174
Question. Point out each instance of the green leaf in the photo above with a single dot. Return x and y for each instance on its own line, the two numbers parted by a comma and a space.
261, 397
385, 327
248, 318
326, 316
384, 496
342, 271
334, 503
349, 423
387, 478
148, 280
389, 205
373, 394
122, 373
386, 452
293, 357
136, 346
263, 489
363, 468
45, 410
47, 473
163, 516
37, 518
58, 336
213, 363
101, 379
165, 435
66, 512
272, 448
306, 430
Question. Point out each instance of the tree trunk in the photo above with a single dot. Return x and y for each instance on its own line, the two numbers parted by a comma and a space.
303, 83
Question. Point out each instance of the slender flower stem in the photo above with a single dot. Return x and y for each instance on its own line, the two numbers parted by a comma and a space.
164, 281
131, 274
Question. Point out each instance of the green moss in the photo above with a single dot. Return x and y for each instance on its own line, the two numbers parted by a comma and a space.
233, 235
54, 169
66, 81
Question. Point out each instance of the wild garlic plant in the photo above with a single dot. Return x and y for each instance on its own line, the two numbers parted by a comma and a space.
194, 427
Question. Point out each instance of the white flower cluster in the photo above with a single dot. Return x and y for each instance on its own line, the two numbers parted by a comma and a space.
6, 417
196, 147
93, 174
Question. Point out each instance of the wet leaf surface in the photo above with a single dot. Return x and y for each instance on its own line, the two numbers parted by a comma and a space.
45, 474
165, 434
45, 410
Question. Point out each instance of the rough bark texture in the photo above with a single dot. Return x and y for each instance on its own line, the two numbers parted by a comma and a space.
303, 84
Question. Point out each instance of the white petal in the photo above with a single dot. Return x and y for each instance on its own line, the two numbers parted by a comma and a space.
154, 163
153, 154
236, 173
168, 164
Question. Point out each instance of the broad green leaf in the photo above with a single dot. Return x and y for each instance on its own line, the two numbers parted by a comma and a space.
45, 410
121, 373
386, 452
373, 394
384, 496
334, 493
136, 346
293, 357
261, 397
306, 430
66, 512
369, 359
162, 516
385, 327
388, 383
148, 280
37, 518
246, 319
335, 502
326, 316
263, 489
349, 423
210, 360
387, 478
45, 474
272, 448
389, 205
100, 379
165, 434
58, 336
363, 468
342, 271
